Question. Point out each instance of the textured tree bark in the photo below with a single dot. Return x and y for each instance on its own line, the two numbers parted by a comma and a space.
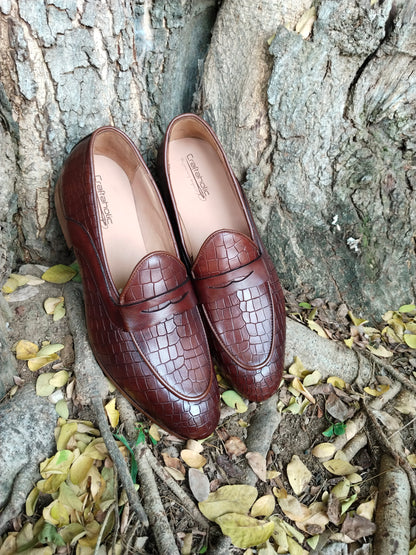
329, 154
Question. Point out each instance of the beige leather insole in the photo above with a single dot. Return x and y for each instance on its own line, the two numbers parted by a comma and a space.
123, 239
205, 198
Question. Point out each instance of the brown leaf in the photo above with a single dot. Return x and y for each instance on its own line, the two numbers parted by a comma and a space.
356, 527
199, 484
230, 469
337, 408
334, 509
258, 464
173, 462
235, 446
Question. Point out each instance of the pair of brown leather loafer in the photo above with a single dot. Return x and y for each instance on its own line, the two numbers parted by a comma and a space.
153, 293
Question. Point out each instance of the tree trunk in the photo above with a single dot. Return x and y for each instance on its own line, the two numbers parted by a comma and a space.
321, 128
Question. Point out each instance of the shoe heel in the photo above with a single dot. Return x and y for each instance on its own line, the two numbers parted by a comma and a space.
60, 213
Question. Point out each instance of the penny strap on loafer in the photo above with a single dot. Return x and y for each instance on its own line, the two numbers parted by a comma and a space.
219, 286
143, 314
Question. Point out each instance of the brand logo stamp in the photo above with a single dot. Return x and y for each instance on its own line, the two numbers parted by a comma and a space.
105, 212
198, 181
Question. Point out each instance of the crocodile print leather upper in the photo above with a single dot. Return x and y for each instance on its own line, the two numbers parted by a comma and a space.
239, 290
149, 339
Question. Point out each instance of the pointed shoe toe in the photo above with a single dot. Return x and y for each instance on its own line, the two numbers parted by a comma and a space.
143, 322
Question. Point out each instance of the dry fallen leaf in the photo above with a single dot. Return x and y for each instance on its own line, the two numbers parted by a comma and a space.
367, 509
297, 369
298, 386
258, 464
235, 446
193, 459
26, 349
378, 391
194, 445
112, 413
292, 507
298, 475
356, 527
339, 467
324, 450
244, 530
198, 484
264, 506
176, 474
228, 499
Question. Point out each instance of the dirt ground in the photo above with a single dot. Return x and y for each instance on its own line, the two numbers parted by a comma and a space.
297, 434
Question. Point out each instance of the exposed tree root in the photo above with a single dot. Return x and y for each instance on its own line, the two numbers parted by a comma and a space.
397, 375
91, 387
393, 507
163, 535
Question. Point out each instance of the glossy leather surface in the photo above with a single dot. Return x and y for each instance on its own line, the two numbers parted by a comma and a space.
149, 338
236, 283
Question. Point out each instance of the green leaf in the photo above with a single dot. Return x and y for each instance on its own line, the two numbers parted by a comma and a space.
61, 408
43, 387
305, 305
233, 399
140, 437
329, 432
244, 530
59, 312
203, 549
133, 462
49, 534
77, 277
59, 274
407, 308
50, 349
339, 428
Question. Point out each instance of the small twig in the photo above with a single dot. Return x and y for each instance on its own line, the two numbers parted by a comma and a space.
164, 538
116, 515
388, 447
397, 375
402, 428
103, 525
89, 379
130, 537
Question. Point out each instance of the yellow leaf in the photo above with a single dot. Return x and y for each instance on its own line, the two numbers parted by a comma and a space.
407, 308
193, 459
298, 475
31, 501
26, 350
55, 471
367, 509
56, 514
59, 379
50, 303
324, 450
79, 469
339, 467
233, 399
244, 530
349, 342
312, 379
71, 531
411, 459
316, 523
297, 384
380, 351
10, 285
59, 274
66, 432
154, 432
356, 321
97, 449
342, 489
36, 363
112, 413
313, 541
297, 369
69, 498
264, 506
228, 499
354, 478
378, 391
316, 327
336, 382
293, 509
295, 548
305, 23
410, 340
288, 528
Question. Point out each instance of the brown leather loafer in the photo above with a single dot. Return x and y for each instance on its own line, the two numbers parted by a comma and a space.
143, 322
233, 275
